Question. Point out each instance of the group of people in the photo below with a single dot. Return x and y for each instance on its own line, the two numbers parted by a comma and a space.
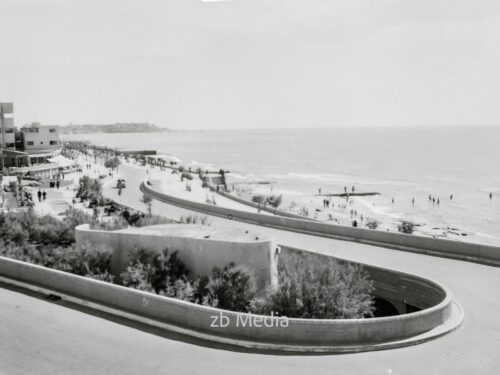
42, 195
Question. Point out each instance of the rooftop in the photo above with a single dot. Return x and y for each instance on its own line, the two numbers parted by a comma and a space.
198, 231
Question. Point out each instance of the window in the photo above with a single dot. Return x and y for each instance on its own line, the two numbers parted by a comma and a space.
30, 143
9, 130
53, 130
10, 145
53, 143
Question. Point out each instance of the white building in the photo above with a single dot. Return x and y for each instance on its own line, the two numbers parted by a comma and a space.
40, 141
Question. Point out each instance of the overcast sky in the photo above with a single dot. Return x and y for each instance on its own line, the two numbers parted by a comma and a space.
252, 63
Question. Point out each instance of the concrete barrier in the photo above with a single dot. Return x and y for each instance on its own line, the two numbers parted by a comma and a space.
261, 207
252, 331
412, 243
200, 247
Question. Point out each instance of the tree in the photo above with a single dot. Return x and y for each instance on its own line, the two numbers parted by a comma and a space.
259, 199
112, 163
274, 201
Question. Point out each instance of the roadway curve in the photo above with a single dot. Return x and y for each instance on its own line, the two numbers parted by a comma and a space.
51, 339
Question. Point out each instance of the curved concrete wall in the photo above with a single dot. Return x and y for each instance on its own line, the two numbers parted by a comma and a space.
262, 208
303, 334
432, 246
200, 254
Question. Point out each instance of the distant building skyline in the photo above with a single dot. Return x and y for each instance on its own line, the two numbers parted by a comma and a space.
252, 63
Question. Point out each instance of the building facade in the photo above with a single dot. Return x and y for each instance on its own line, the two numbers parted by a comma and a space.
40, 139
9, 156
7, 134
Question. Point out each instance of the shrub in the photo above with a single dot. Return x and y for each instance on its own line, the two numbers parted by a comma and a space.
112, 163
195, 219
372, 224
155, 271
231, 288
317, 287
259, 199
406, 227
274, 200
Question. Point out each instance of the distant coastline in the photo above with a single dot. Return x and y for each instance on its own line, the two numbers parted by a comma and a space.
128, 127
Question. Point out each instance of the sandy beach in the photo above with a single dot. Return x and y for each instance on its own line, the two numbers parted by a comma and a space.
340, 210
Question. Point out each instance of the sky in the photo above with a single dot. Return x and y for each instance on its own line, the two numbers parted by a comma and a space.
189, 64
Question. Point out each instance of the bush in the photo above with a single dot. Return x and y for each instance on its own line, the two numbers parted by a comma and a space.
274, 200
318, 287
406, 227
231, 288
195, 219
112, 163
89, 261
372, 224
259, 199
26, 227
154, 271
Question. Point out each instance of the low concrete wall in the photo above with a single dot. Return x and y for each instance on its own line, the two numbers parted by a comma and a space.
413, 243
302, 334
200, 255
261, 207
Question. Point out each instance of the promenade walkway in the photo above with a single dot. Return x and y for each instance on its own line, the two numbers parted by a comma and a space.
48, 338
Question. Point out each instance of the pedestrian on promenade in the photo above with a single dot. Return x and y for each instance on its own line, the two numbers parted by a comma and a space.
491, 195
352, 188
451, 197
39, 194
44, 193
58, 184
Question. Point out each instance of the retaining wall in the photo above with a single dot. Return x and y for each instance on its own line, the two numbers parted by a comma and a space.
199, 254
298, 334
413, 243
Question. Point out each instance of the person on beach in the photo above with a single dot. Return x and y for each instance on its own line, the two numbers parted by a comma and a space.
392, 200
430, 197
345, 189
354, 223
491, 195
353, 188
433, 200
319, 191
413, 201
451, 197
39, 194
437, 202
44, 194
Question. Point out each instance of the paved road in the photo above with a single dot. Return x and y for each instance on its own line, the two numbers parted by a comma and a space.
46, 338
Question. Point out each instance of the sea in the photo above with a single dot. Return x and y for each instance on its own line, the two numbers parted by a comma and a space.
458, 165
